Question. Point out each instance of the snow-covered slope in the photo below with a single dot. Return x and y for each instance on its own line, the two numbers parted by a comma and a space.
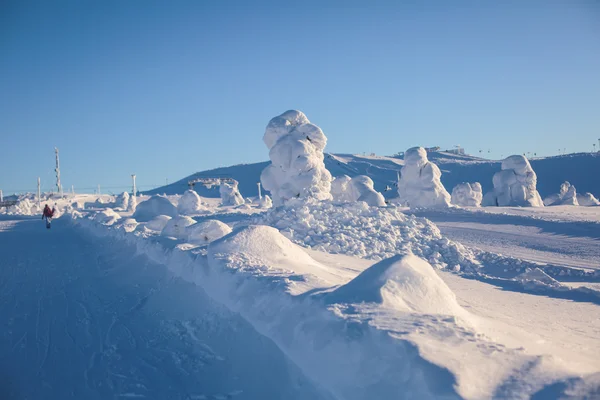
551, 172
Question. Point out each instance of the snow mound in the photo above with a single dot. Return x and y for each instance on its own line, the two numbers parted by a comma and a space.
154, 206
207, 231
122, 201
158, 223
587, 199
566, 197
189, 203
261, 250
24, 206
176, 227
514, 185
107, 217
537, 277
128, 224
230, 195
297, 168
467, 194
265, 202
360, 188
368, 232
403, 282
420, 184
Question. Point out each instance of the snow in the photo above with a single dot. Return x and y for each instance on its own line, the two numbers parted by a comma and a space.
230, 195
467, 194
587, 199
265, 202
514, 185
420, 184
131, 207
189, 203
176, 227
122, 201
297, 168
158, 223
566, 197
153, 207
107, 216
207, 231
360, 188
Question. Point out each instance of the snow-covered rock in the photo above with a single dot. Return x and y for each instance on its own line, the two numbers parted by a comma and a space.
230, 195
158, 223
514, 185
122, 201
587, 199
566, 197
154, 206
107, 217
297, 169
420, 184
189, 203
467, 194
176, 227
207, 231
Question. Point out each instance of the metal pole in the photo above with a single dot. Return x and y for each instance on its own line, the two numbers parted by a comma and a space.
259, 193
134, 188
39, 193
57, 170
1, 196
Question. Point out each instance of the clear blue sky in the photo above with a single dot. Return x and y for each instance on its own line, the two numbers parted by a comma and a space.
165, 89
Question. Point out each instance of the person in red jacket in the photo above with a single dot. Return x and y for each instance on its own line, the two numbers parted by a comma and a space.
48, 214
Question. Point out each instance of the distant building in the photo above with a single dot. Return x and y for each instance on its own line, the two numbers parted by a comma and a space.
432, 149
458, 150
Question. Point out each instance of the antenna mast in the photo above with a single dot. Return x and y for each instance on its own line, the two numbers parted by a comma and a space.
57, 170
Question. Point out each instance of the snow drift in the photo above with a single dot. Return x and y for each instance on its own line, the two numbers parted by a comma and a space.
467, 194
514, 185
153, 207
207, 231
158, 223
297, 169
176, 227
420, 184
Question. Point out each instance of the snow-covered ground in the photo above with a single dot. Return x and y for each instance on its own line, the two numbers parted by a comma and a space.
316, 300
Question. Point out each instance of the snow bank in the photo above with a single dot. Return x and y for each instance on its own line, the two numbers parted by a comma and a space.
24, 206
367, 232
420, 184
360, 188
467, 194
536, 277
403, 282
297, 169
189, 203
207, 231
230, 195
587, 199
122, 201
107, 217
158, 223
514, 185
566, 197
154, 206
176, 227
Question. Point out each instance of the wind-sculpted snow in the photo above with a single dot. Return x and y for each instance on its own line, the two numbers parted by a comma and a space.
158, 223
207, 231
297, 169
514, 185
153, 207
467, 194
420, 184
367, 232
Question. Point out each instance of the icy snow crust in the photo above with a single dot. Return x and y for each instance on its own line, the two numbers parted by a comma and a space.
297, 169
514, 185
420, 184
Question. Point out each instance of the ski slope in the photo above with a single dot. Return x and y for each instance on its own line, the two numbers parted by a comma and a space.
85, 318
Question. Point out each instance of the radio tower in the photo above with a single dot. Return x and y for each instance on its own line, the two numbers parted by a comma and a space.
57, 169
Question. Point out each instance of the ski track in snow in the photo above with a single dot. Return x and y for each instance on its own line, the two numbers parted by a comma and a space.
84, 321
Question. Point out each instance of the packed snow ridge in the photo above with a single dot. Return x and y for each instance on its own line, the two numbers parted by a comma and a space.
514, 185
420, 184
297, 169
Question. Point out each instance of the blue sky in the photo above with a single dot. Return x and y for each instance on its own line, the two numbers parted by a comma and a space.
165, 89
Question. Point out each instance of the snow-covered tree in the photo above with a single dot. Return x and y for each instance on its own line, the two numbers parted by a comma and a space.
122, 201
566, 197
467, 194
587, 199
360, 188
514, 185
297, 169
420, 184
189, 203
230, 195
